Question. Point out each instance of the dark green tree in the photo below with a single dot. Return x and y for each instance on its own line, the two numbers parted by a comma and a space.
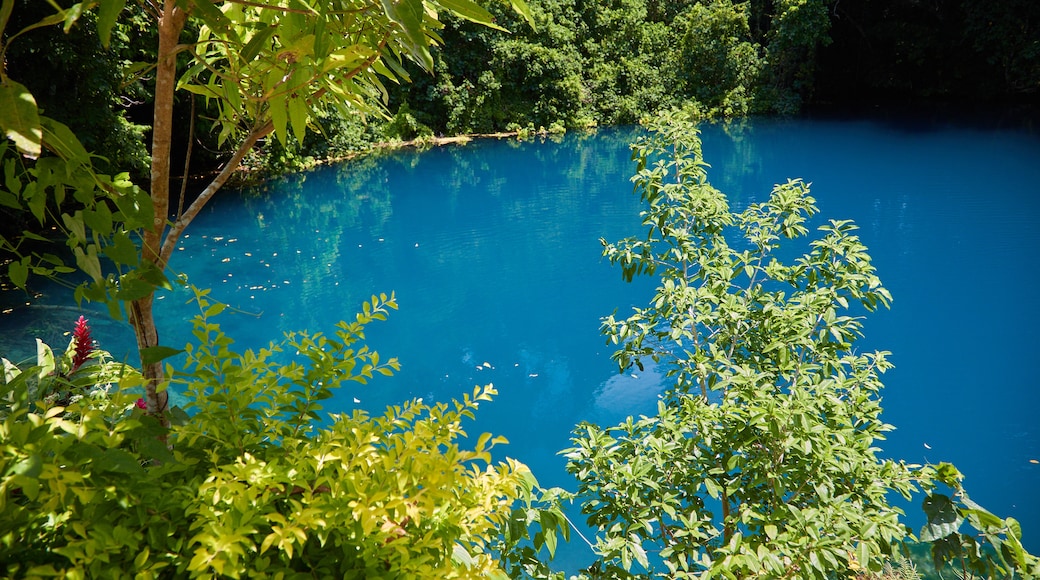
716, 62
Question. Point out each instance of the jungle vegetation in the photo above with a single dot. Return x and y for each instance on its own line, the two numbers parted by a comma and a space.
582, 64
760, 460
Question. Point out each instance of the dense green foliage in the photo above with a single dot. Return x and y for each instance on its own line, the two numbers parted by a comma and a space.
612, 62
762, 457
584, 63
759, 461
263, 70
943, 50
80, 83
255, 481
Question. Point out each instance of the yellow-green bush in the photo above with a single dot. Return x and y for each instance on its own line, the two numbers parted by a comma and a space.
252, 481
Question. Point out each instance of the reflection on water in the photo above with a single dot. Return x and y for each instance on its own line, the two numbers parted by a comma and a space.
493, 251
630, 393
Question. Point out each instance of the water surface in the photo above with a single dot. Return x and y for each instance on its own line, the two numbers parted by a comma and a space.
493, 252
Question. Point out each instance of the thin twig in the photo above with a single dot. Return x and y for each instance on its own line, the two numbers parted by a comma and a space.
270, 7
187, 159
577, 531
174, 233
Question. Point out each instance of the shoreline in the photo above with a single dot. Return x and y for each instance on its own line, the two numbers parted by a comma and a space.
242, 176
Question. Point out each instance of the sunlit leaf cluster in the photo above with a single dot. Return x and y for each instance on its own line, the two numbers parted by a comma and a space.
761, 459
253, 479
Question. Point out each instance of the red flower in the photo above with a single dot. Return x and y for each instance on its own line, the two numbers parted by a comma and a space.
83, 343
141, 404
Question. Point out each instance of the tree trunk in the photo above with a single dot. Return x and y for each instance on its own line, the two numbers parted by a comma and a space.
171, 23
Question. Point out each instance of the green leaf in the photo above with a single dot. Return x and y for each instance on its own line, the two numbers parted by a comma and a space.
136, 207
461, 556
637, 548
99, 219
18, 273
35, 237
215, 19
259, 39
66, 145
72, 14
943, 518
151, 273
74, 223
118, 461
482, 441
31, 466
279, 118
548, 525
154, 354
122, 249
10, 373
409, 15
10, 200
36, 198
20, 118
88, 261
712, 488
521, 8
108, 12
30, 486
471, 11
351, 57
948, 474
6, 7
132, 287
44, 358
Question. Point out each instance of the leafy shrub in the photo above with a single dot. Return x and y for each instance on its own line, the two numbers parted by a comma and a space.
405, 126
716, 62
798, 28
762, 458
253, 481
82, 370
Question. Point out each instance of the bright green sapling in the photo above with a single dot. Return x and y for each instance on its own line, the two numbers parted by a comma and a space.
762, 459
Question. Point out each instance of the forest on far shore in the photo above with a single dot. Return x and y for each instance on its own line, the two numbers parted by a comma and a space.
585, 63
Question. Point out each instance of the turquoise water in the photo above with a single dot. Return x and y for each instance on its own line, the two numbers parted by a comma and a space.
493, 252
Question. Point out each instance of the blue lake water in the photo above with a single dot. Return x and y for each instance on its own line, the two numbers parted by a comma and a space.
493, 251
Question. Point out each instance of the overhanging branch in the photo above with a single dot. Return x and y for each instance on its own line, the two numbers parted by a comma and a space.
174, 234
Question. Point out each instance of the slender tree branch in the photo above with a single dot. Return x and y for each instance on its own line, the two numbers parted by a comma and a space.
353, 72
172, 19
273, 7
174, 233
727, 525
577, 531
187, 159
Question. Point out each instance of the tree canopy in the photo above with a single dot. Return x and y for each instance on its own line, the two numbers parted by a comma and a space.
265, 69
760, 460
